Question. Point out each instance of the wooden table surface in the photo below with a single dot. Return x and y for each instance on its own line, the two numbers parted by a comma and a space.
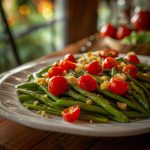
14, 136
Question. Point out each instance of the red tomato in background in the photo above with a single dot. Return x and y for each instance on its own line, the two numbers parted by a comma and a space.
109, 63
71, 114
108, 30
87, 83
122, 32
67, 65
108, 53
70, 57
132, 58
131, 70
141, 20
118, 86
57, 85
94, 68
55, 71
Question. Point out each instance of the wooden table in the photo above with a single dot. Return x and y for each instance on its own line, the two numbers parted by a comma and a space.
14, 136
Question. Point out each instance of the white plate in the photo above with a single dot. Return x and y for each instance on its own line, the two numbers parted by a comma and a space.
11, 108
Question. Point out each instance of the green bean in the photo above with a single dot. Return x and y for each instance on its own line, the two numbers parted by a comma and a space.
141, 97
144, 67
113, 72
76, 95
83, 116
143, 78
39, 73
24, 98
137, 89
103, 103
139, 84
83, 106
147, 85
121, 99
28, 85
42, 108
134, 114
44, 100
141, 100
97, 118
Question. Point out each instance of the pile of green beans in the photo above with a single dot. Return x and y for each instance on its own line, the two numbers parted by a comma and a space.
103, 106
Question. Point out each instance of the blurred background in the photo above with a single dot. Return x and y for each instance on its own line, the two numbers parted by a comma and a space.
40, 27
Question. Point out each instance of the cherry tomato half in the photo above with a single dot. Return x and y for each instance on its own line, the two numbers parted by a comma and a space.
71, 114
87, 83
108, 53
94, 68
55, 71
131, 70
67, 65
122, 32
132, 58
109, 63
141, 21
118, 86
57, 85
108, 30
70, 57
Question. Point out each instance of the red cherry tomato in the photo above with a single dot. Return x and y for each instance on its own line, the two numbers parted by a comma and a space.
67, 65
132, 58
131, 70
71, 114
94, 68
122, 32
55, 71
57, 85
108, 30
109, 63
108, 53
87, 83
56, 64
141, 20
118, 86
70, 57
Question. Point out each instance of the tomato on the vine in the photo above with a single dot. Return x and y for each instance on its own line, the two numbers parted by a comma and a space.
57, 85
55, 71
71, 114
87, 83
140, 20
118, 86
109, 63
108, 30
122, 32
108, 53
70, 57
94, 68
131, 70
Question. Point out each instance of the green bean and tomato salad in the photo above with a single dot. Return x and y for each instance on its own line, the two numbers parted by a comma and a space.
97, 86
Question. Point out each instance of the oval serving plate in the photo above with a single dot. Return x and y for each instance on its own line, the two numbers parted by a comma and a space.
11, 108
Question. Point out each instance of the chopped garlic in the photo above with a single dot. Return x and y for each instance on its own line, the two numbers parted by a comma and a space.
121, 76
41, 81
89, 101
122, 106
43, 113
35, 102
104, 78
72, 79
105, 85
